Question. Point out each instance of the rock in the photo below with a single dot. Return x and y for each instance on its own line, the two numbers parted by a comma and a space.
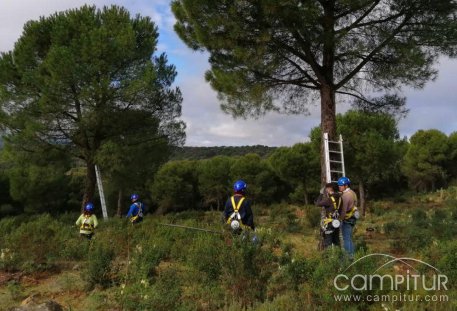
32, 306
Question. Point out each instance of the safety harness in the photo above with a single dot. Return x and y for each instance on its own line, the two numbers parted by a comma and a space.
354, 212
86, 224
331, 215
139, 214
236, 214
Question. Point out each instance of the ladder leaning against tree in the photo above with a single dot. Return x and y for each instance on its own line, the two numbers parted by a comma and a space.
334, 159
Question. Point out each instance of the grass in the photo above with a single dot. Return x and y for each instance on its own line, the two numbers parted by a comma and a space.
152, 267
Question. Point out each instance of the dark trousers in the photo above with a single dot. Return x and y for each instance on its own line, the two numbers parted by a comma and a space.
87, 236
331, 238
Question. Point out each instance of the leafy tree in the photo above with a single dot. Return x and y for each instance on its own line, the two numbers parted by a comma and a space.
175, 186
40, 182
424, 163
130, 161
297, 166
372, 149
278, 55
371, 154
263, 184
214, 180
7, 205
452, 159
82, 77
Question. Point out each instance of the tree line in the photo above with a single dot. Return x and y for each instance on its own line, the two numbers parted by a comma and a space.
199, 153
379, 163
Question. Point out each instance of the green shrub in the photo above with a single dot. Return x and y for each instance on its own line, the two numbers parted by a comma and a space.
16, 290
419, 217
8, 209
394, 229
418, 239
452, 205
35, 244
298, 271
360, 244
313, 215
448, 261
206, 255
74, 248
146, 256
164, 294
376, 209
399, 245
98, 271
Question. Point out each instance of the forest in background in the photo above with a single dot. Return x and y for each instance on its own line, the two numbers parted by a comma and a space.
379, 163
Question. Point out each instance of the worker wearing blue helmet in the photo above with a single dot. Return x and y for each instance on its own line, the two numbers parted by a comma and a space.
136, 210
87, 222
238, 212
348, 214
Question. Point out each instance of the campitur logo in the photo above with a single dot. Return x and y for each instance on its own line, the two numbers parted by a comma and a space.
405, 275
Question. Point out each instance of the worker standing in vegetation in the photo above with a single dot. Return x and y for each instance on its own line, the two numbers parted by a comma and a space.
136, 210
238, 212
330, 202
87, 222
348, 214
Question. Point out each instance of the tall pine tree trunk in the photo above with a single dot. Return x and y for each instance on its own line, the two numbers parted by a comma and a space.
90, 183
306, 198
362, 203
326, 76
328, 121
119, 203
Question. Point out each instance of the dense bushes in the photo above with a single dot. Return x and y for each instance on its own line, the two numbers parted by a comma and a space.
155, 267
33, 245
182, 185
98, 270
292, 173
420, 228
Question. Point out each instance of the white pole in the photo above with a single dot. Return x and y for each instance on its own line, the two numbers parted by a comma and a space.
342, 155
101, 192
327, 159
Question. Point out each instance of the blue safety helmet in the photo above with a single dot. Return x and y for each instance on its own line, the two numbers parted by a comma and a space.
344, 181
134, 197
89, 207
239, 186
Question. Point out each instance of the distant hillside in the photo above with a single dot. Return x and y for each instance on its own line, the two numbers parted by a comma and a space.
198, 153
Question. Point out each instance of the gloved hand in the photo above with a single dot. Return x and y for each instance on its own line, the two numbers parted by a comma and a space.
322, 190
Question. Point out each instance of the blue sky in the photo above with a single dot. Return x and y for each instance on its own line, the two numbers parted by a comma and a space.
432, 107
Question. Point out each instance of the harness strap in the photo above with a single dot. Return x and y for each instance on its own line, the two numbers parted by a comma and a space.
86, 225
139, 214
334, 202
236, 208
353, 209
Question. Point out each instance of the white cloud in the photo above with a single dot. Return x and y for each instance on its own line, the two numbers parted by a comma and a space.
14, 14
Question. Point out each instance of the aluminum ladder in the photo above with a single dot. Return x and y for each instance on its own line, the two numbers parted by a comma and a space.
334, 159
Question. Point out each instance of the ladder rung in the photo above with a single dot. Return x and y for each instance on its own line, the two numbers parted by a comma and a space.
334, 142
336, 172
333, 161
334, 151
